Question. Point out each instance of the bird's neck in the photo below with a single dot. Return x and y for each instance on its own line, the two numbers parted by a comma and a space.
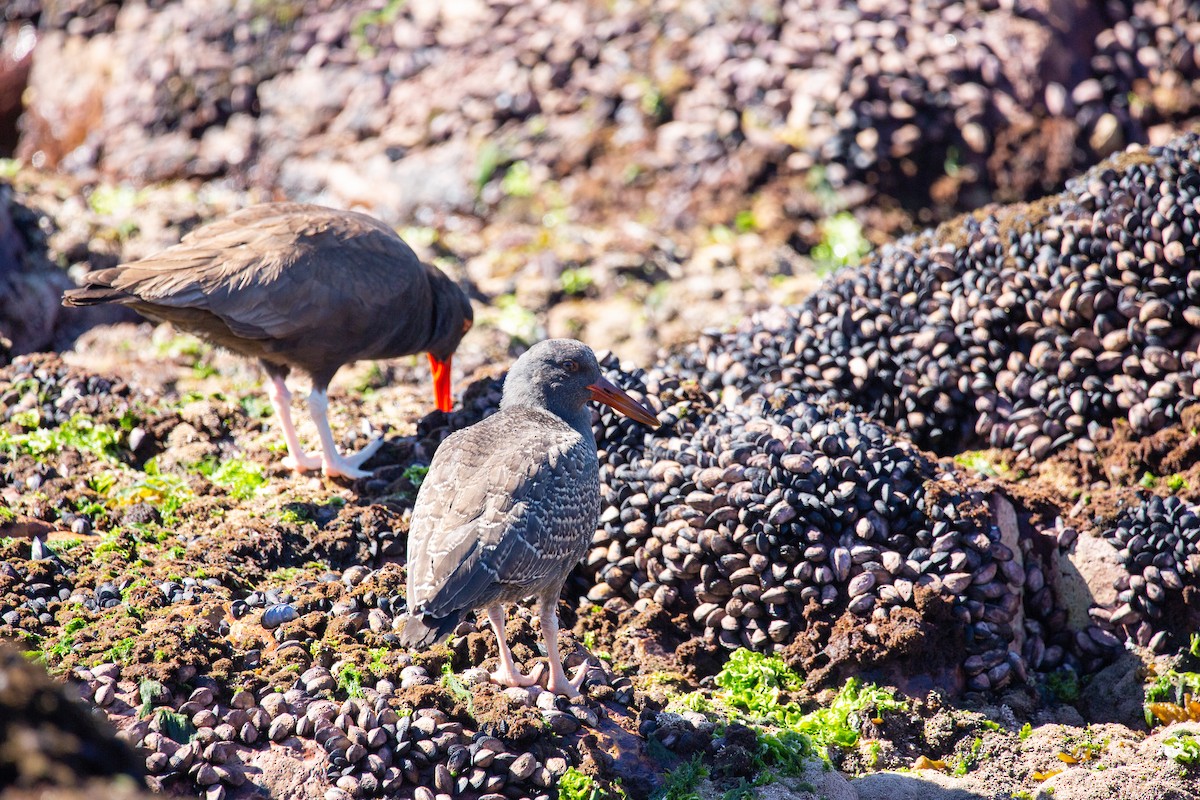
580, 420
447, 313
577, 416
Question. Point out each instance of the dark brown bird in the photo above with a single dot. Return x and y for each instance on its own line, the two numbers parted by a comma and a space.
510, 504
298, 287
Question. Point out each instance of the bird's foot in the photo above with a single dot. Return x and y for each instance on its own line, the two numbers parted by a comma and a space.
573, 688
359, 458
340, 468
514, 677
348, 466
302, 462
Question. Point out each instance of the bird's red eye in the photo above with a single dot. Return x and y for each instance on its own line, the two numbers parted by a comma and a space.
570, 366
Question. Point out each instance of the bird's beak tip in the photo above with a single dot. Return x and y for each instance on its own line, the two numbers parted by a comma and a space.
603, 391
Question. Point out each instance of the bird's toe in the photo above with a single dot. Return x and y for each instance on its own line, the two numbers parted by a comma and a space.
302, 462
358, 459
340, 469
581, 673
571, 688
515, 677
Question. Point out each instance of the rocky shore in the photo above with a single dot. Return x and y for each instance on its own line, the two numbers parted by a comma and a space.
926, 525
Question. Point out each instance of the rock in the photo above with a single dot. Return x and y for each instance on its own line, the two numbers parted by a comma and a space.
818, 782
926, 784
1116, 694
30, 285
64, 103
1086, 578
52, 740
1141, 764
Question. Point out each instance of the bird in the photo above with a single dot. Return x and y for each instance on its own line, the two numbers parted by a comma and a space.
303, 287
509, 506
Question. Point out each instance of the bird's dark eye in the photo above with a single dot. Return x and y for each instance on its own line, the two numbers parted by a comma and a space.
570, 365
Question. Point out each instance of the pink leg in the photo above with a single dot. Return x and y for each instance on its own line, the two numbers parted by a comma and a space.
507, 674
333, 462
558, 682
281, 401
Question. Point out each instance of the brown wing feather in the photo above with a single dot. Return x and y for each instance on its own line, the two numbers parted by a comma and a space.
279, 271
508, 507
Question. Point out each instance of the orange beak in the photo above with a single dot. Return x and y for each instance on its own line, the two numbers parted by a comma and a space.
610, 395
441, 383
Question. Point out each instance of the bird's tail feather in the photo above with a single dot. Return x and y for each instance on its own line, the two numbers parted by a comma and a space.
420, 631
93, 295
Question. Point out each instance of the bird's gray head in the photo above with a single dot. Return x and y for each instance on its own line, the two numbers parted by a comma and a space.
561, 376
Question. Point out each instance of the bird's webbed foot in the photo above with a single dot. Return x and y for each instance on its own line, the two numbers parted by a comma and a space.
341, 466
302, 462
507, 675
558, 683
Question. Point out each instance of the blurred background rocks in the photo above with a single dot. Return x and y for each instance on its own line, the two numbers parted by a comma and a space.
51, 744
421, 108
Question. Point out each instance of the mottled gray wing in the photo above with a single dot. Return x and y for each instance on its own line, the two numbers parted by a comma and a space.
268, 271
505, 505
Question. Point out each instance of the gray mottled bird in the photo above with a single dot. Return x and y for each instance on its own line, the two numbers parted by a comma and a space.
298, 287
510, 504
